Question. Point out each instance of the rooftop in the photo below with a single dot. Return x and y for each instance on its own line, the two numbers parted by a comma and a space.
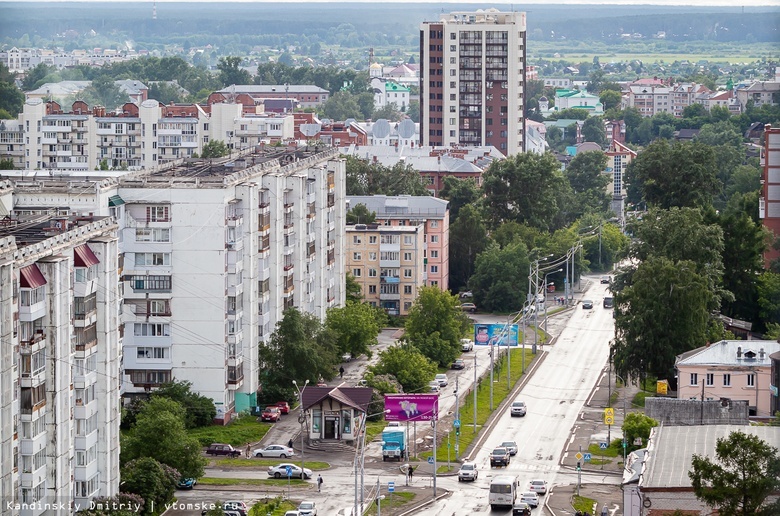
401, 205
731, 353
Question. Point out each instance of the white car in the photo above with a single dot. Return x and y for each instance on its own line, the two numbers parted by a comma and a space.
468, 471
538, 486
517, 408
510, 446
434, 386
280, 471
442, 379
531, 498
466, 345
274, 450
235, 506
307, 508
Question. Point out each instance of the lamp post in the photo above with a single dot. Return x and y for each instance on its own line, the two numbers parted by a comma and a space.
359, 460
624, 415
302, 420
545, 297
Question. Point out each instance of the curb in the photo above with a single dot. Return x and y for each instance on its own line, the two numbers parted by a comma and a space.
413, 510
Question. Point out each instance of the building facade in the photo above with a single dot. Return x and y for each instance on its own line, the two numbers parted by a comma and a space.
473, 79
60, 361
618, 158
769, 202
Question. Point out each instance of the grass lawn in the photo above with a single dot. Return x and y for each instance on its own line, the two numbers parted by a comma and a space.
276, 507
448, 469
391, 501
500, 392
614, 449
639, 399
264, 463
213, 481
238, 433
374, 428
583, 504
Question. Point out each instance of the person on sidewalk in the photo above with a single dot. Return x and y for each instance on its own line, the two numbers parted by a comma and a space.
411, 473
319, 483
248, 451
341, 372
604, 510
290, 443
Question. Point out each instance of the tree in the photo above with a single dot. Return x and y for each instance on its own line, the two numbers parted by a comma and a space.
413, 111
468, 238
164, 93
680, 174
411, 369
389, 112
744, 242
459, 193
7, 164
153, 481
230, 71
159, 433
357, 326
198, 410
359, 214
364, 178
104, 92
588, 182
11, 99
352, 289
499, 283
741, 479
768, 288
215, 149
342, 105
663, 312
33, 78
593, 130
636, 425
524, 188
435, 325
610, 99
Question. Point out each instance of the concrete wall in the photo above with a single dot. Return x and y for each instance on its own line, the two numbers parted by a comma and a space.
677, 412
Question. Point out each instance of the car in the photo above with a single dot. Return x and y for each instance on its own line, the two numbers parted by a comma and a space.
540, 298
466, 294
511, 447
346, 357
283, 407
468, 307
434, 386
538, 486
521, 509
280, 471
517, 408
468, 471
308, 508
442, 379
186, 483
274, 450
271, 414
609, 302
529, 310
222, 449
225, 512
292, 513
606, 280
235, 505
458, 364
466, 345
530, 498
499, 457
587, 304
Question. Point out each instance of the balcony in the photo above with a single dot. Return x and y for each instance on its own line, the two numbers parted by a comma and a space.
33, 344
234, 221
386, 296
85, 346
84, 320
235, 376
390, 279
390, 264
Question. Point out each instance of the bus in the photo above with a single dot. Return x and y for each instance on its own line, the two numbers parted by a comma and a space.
503, 491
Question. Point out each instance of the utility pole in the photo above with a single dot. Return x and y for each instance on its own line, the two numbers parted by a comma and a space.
435, 416
491, 377
457, 417
475, 392
701, 419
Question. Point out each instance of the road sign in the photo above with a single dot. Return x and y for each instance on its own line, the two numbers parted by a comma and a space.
603, 446
430, 460
609, 412
609, 420
288, 470
579, 456
390, 487
456, 423
586, 458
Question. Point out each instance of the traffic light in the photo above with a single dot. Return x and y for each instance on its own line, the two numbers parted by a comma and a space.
579, 467
457, 431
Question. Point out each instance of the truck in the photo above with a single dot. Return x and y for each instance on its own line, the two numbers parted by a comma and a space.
393, 443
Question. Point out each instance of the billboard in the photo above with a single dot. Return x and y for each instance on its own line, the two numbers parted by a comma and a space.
496, 334
411, 407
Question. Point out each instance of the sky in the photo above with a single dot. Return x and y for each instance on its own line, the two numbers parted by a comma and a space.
499, 4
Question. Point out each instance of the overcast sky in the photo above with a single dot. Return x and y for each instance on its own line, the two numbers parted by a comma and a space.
518, 6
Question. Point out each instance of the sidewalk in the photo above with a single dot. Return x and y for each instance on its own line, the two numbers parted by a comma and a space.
559, 500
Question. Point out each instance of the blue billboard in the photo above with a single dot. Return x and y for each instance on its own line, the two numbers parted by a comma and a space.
496, 334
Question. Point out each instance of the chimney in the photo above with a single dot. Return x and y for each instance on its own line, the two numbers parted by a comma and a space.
739, 351
761, 354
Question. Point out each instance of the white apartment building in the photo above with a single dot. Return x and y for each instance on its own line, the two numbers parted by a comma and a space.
60, 360
472, 68
649, 99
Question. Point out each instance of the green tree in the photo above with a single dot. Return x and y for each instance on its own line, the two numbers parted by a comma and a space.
593, 130
524, 188
413, 111
364, 178
342, 105
411, 369
7, 164
11, 98
768, 289
104, 92
740, 480
459, 193
662, 313
230, 72
389, 112
695, 111
588, 183
164, 93
468, 238
744, 242
357, 326
499, 283
198, 410
610, 99
159, 433
435, 325
359, 214
33, 78
679, 174
352, 289
155, 482
215, 149
636, 425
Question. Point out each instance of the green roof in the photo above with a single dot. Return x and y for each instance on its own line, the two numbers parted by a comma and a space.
394, 86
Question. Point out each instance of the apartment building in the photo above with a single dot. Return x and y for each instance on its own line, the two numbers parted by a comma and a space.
472, 68
408, 210
60, 360
759, 92
649, 99
307, 95
769, 201
618, 158
388, 263
685, 94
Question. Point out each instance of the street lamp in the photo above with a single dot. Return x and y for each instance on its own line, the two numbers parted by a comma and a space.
624, 415
359, 459
545, 291
302, 421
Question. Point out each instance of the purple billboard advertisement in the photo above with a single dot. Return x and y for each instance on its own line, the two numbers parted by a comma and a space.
411, 407
496, 335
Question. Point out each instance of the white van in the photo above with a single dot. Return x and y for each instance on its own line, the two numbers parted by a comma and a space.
503, 491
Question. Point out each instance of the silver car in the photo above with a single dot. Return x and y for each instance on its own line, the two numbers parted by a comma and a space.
468, 471
511, 447
274, 450
280, 471
517, 408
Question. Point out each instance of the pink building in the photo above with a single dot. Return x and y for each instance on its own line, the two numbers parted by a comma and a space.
733, 369
407, 210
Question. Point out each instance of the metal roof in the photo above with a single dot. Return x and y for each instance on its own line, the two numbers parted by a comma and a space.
406, 205
726, 352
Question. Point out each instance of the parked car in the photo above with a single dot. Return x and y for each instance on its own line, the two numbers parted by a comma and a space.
283, 407
530, 498
280, 471
458, 364
587, 304
442, 379
186, 483
521, 509
468, 471
293, 513
606, 280
466, 345
222, 449
346, 357
468, 307
271, 414
517, 408
308, 508
538, 486
433, 386
466, 294
274, 450
233, 505
499, 457
511, 447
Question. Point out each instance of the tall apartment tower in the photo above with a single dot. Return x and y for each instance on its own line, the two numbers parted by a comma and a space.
769, 202
472, 69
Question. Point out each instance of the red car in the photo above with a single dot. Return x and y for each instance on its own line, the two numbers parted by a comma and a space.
283, 407
271, 414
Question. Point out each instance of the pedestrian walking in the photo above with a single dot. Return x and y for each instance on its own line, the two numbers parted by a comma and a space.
319, 483
604, 510
290, 443
341, 372
411, 473
248, 451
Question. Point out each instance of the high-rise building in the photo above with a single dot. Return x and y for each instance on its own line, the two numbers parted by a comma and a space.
769, 202
472, 69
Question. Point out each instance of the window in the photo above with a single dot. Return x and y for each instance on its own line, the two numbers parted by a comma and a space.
148, 352
751, 380
151, 330
727, 380
710, 379
152, 235
407, 289
407, 273
434, 224
434, 239
372, 289
434, 269
694, 379
372, 239
434, 253
152, 259
372, 256
357, 256
356, 239
408, 239
157, 214
407, 305
407, 257
357, 272
372, 273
